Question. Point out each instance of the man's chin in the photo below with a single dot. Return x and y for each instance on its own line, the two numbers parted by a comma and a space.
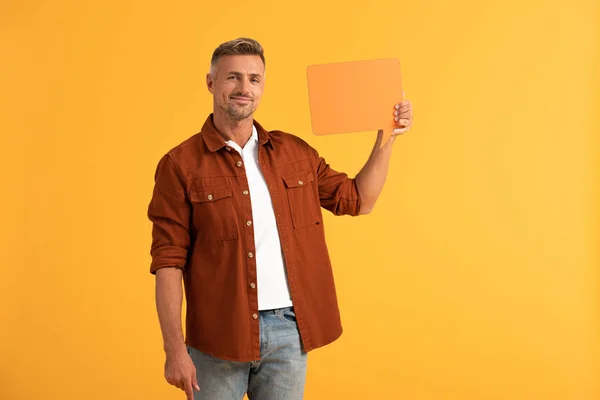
239, 115
239, 118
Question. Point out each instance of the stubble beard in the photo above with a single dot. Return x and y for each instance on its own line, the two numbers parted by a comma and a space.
239, 113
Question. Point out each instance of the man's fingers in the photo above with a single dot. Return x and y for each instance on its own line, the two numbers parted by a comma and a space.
171, 381
403, 127
403, 112
195, 381
187, 387
402, 104
403, 122
179, 385
175, 382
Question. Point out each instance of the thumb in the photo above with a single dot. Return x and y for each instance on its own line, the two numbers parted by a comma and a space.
195, 382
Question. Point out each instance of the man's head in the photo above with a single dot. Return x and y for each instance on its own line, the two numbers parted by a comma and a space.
236, 78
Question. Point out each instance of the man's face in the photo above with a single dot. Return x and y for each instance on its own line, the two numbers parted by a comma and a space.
237, 84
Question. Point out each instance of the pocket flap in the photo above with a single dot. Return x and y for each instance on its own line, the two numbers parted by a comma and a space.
209, 194
298, 179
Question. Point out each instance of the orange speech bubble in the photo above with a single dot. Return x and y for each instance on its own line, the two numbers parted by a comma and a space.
354, 96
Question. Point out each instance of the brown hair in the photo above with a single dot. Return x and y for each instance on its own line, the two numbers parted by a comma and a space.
239, 46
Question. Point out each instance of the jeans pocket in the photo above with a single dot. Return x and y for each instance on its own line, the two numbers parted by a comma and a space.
288, 316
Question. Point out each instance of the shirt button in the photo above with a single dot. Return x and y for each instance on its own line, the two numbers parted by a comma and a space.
250, 254
245, 193
255, 316
253, 285
249, 223
239, 163
300, 183
210, 196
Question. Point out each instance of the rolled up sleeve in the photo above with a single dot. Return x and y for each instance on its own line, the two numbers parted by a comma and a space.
337, 192
169, 211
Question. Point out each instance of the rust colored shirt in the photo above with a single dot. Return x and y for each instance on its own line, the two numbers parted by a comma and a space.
200, 210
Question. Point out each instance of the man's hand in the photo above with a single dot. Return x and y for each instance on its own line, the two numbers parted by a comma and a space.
403, 115
181, 372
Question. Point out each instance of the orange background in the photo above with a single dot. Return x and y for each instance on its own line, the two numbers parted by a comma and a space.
475, 278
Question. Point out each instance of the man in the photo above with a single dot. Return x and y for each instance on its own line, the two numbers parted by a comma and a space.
236, 213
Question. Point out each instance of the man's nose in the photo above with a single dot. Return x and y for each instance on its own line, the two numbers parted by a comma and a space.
244, 85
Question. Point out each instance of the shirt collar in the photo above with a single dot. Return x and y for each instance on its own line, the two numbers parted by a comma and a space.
253, 138
215, 142
254, 135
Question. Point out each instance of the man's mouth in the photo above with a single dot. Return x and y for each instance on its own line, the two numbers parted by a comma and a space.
241, 99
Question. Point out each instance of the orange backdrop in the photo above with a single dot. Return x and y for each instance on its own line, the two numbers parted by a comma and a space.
476, 278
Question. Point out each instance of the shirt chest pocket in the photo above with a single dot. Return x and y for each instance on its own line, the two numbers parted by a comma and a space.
213, 213
303, 199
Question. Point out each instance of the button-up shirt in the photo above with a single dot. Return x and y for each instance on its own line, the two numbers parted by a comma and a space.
272, 286
200, 209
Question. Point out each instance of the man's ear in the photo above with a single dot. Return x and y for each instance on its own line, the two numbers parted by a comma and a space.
209, 83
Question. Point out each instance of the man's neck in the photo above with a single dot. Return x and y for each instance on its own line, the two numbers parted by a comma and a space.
236, 131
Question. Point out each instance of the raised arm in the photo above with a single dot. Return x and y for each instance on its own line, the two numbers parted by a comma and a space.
372, 176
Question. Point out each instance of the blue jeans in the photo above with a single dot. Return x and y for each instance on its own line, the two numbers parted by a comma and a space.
279, 375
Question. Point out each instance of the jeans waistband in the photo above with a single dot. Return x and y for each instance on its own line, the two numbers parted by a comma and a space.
275, 310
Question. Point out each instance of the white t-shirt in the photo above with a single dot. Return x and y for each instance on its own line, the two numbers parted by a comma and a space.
272, 285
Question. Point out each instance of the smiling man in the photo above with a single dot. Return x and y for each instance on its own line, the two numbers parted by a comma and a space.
236, 214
